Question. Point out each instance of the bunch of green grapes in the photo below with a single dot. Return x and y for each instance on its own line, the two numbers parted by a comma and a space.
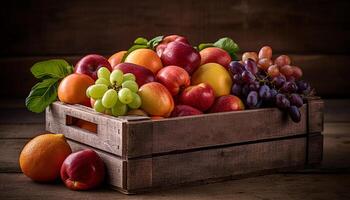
114, 92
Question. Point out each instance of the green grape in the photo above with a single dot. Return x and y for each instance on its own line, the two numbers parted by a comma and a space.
103, 72
125, 95
119, 110
136, 102
116, 77
97, 91
102, 81
88, 91
98, 106
129, 77
110, 98
132, 85
108, 112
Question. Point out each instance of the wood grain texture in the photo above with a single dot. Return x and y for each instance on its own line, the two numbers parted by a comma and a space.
114, 165
10, 150
184, 133
315, 148
315, 115
21, 131
109, 129
80, 27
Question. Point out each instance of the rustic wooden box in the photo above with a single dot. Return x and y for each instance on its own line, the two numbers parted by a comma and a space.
143, 154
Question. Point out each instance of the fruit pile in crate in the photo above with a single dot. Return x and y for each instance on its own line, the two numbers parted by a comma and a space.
161, 81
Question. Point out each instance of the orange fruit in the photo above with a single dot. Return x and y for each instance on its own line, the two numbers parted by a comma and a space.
72, 89
146, 58
116, 58
42, 157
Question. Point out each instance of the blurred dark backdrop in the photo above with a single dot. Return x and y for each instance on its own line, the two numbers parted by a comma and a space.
315, 33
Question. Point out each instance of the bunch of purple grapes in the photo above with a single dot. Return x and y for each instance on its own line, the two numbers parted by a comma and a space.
257, 89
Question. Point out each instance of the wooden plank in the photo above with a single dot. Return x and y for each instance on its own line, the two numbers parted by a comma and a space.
42, 28
183, 133
315, 107
114, 165
12, 131
109, 129
181, 168
305, 186
10, 150
315, 148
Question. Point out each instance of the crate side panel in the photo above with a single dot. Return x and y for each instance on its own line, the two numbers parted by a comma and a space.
109, 130
193, 132
315, 115
237, 160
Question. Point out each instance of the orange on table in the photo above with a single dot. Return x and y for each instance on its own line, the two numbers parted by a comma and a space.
116, 58
146, 58
42, 157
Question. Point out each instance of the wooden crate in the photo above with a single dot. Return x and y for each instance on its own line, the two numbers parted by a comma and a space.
143, 154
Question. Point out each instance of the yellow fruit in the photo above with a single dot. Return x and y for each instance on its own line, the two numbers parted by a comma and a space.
42, 157
216, 76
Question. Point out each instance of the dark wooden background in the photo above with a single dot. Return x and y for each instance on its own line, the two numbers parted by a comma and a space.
315, 33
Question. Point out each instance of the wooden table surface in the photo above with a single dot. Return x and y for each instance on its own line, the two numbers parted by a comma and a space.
330, 181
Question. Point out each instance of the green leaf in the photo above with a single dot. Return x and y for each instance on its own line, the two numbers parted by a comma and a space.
205, 45
42, 95
228, 45
141, 41
55, 68
154, 42
133, 48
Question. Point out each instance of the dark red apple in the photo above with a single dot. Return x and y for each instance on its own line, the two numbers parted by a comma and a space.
227, 103
215, 55
90, 64
83, 170
182, 55
184, 110
199, 96
142, 74
174, 78
166, 40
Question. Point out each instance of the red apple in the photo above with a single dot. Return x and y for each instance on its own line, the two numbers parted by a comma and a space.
166, 40
90, 64
83, 170
182, 55
184, 110
227, 103
174, 78
215, 55
142, 74
199, 96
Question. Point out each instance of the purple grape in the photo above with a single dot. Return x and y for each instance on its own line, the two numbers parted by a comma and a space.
236, 89
289, 87
254, 86
278, 81
248, 77
302, 85
296, 100
273, 93
264, 92
245, 90
236, 67
282, 102
252, 99
294, 113
250, 65
237, 78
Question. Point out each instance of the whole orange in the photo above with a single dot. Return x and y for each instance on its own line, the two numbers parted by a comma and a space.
72, 89
116, 58
146, 58
42, 157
